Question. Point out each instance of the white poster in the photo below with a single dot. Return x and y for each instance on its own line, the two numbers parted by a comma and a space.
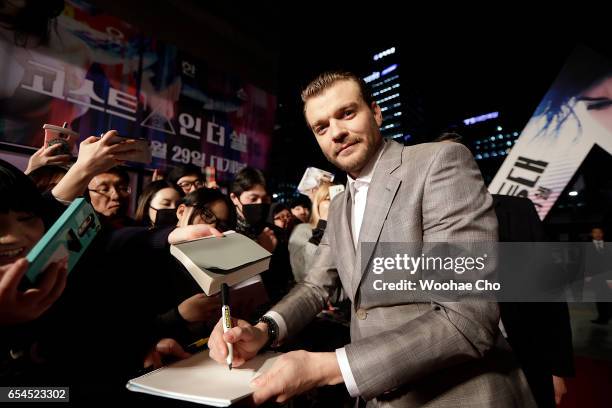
574, 115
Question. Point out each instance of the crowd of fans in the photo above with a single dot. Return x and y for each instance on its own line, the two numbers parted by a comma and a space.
128, 303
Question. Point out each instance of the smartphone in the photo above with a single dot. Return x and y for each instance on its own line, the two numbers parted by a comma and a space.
142, 147
335, 190
312, 178
69, 237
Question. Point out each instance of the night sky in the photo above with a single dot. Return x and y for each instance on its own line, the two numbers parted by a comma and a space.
459, 70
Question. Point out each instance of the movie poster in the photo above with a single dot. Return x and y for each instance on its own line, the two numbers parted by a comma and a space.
97, 73
574, 115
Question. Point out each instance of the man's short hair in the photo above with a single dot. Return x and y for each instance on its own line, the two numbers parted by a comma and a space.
119, 172
325, 80
179, 172
300, 200
247, 179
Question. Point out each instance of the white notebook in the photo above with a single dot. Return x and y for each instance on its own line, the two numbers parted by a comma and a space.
202, 380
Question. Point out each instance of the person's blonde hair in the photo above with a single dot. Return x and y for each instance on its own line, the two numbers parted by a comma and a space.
322, 194
325, 80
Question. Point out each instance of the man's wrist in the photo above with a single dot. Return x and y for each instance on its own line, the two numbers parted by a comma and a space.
263, 328
83, 170
73, 184
327, 365
270, 330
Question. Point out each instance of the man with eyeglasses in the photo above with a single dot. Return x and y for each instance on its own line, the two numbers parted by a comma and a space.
110, 194
188, 178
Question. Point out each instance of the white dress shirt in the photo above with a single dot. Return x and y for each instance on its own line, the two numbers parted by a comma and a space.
599, 244
359, 193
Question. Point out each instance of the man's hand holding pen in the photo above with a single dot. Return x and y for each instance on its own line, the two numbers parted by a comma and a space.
246, 341
292, 374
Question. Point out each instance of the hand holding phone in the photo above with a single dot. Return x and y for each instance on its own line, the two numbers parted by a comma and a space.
98, 154
140, 150
68, 238
21, 305
312, 178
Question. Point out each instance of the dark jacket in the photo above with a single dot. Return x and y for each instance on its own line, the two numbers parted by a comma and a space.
539, 333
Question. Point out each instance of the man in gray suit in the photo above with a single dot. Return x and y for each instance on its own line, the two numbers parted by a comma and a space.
402, 354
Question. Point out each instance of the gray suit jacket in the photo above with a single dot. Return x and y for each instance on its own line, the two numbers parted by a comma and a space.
414, 354
301, 252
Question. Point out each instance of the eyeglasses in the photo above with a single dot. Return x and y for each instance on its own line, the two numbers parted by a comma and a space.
186, 185
282, 217
106, 190
209, 217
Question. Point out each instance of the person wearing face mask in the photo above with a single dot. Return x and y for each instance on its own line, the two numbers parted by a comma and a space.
186, 312
197, 313
249, 195
172, 299
41, 324
155, 197
256, 220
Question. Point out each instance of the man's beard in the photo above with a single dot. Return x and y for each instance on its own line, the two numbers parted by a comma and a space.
355, 162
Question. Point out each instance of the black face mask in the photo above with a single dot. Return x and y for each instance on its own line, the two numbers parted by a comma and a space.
256, 214
166, 217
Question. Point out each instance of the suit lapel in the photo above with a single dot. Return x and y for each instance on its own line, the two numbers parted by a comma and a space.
381, 194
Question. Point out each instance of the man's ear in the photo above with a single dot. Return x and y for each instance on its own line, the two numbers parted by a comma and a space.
377, 113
